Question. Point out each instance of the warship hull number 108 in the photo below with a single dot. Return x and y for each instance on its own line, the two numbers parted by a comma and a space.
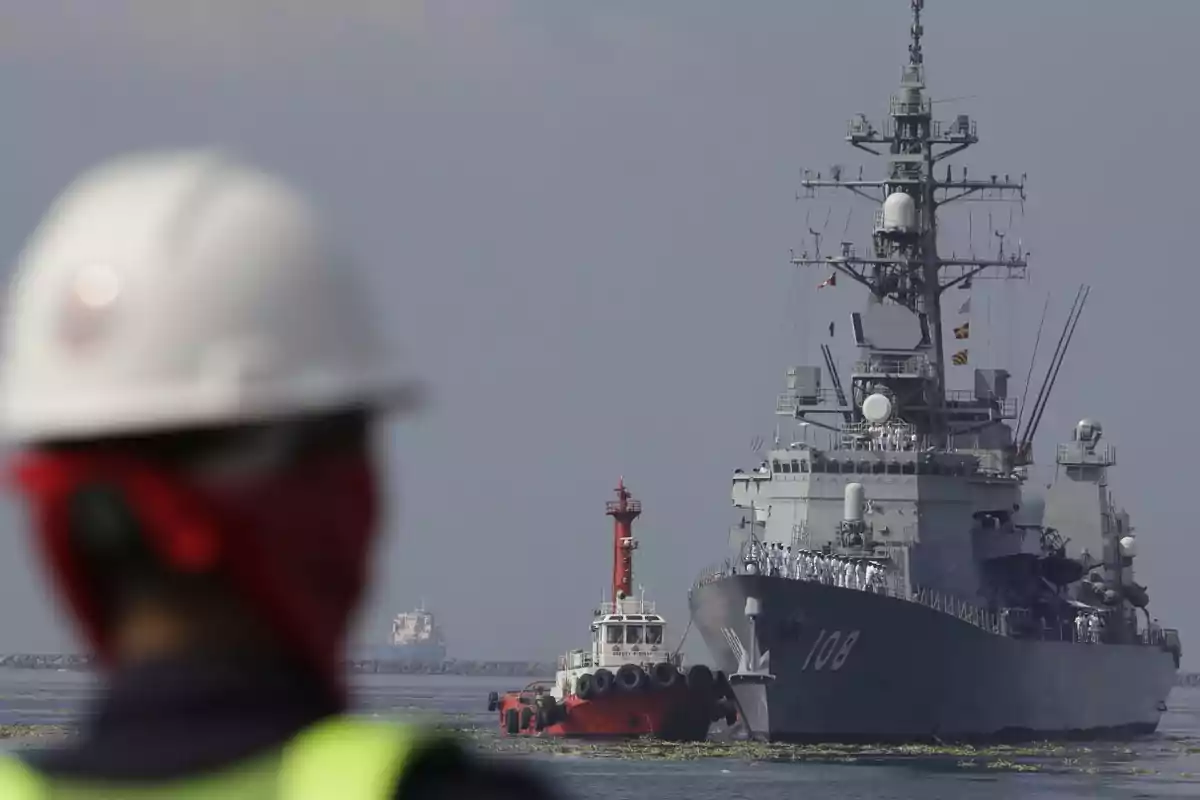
908, 582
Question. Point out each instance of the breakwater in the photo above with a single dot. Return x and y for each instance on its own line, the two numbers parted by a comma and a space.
504, 669
513, 669
523, 669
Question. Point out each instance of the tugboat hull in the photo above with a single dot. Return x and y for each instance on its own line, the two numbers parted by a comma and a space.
681, 708
669, 714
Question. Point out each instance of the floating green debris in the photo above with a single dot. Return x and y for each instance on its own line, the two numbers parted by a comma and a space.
1035, 757
34, 731
1030, 757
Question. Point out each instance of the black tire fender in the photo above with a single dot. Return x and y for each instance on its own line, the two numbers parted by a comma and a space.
631, 678
602, 681
700, 678
664, 675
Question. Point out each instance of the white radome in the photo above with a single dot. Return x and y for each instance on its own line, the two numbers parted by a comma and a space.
877, 408
899, 213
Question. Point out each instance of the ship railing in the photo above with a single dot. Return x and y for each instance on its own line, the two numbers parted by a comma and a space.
787, 403
576, 660
630, 506
714, 573
630, 605
913, 365
1158, 637
859, 128
801, 537
954, 130
990, 621
1104, 456
821, 568
900, 106
881, 438
865, 574
1005, 406
869, 428
1025, 623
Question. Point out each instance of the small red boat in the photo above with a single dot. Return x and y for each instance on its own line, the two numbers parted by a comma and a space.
628, 683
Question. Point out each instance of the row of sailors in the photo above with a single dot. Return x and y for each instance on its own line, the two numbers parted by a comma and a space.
1089, 627
828, 568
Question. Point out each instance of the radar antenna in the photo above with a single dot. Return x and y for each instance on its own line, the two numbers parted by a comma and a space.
903, 266
915, 56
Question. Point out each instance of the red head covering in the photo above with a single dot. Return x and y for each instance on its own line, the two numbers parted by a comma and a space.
292, 544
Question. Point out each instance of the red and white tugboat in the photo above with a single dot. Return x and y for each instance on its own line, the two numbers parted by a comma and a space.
629, 683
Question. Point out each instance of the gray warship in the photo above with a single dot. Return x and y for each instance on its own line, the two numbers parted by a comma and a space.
909, 581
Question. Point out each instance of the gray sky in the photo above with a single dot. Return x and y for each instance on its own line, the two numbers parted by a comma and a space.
576, 218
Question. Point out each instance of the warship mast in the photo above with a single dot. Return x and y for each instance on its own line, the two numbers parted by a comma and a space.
904, 266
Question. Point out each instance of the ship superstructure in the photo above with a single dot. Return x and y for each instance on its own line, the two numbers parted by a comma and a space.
906, 581
416, 636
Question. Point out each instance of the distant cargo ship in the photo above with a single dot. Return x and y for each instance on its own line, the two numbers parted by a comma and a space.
417, 637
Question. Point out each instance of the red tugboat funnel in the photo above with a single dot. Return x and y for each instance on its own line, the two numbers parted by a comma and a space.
624, 510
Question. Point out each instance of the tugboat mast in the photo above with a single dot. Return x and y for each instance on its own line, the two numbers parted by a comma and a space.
624, 510
904, 267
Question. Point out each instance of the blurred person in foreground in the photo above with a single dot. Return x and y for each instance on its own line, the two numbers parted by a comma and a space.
191, 380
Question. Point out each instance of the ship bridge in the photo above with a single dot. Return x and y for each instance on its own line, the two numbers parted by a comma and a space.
628, 631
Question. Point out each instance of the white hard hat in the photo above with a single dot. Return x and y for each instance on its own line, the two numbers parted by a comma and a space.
177, 290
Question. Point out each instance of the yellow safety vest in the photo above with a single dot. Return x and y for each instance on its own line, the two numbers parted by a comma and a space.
341, 757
